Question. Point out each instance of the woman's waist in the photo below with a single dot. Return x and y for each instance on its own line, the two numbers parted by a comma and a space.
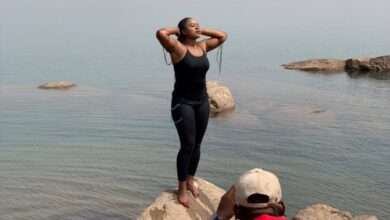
189, 98
190, 87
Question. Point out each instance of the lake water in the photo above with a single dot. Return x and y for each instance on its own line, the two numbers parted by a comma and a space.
106, 148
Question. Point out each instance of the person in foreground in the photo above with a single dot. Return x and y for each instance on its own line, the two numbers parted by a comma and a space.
256, 195
189, 106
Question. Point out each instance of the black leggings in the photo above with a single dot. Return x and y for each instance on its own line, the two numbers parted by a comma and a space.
191, 119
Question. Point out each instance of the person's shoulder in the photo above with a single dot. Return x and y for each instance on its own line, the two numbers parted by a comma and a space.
231, 193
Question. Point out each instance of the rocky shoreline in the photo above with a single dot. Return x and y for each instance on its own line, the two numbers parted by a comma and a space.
166, 207
376, 66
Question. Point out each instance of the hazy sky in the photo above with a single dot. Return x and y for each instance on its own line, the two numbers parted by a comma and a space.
143, 13
279, 28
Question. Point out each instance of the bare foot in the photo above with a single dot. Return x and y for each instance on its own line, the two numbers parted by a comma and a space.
182, 196
183, 199
193, 188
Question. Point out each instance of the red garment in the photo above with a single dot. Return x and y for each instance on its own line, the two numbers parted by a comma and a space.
270, 217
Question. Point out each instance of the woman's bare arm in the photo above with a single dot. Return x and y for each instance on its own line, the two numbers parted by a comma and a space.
216, 38
169, 43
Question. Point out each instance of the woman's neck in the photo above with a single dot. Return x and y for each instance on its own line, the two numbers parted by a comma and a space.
189, 42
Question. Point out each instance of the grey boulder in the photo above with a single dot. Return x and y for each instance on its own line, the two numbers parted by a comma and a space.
220, 98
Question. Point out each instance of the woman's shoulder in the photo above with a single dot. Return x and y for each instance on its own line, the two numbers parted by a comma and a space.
202, 45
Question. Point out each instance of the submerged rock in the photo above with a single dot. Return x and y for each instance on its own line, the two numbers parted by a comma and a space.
326, 212
365, 217
57, 85
220, 98
325, 65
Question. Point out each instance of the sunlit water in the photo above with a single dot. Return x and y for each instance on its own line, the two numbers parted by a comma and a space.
106, 148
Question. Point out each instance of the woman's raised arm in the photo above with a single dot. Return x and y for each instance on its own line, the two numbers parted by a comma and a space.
169, 43
216, 38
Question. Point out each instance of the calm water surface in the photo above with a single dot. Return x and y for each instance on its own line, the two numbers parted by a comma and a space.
106, 148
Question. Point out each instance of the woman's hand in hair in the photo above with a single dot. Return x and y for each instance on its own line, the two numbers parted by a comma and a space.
216, 38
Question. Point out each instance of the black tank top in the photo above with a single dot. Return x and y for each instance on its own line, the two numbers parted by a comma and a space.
190, 76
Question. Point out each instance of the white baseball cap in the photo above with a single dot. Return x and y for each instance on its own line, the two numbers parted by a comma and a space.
257, 181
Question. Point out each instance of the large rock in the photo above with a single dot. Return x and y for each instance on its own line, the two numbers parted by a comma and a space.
377, 64
220, 98
322, 65
352, 65
57, 85
166, 207
326, 212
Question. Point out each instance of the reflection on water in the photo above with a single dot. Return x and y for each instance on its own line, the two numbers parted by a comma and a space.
373, 75
385, 75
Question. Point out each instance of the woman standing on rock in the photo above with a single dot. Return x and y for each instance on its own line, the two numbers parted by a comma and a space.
189, 106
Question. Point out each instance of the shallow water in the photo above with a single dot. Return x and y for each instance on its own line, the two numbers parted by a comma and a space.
106, 148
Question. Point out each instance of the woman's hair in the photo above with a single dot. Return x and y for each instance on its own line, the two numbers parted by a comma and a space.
182, 26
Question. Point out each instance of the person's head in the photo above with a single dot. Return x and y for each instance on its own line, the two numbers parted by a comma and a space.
189, 28
257, 192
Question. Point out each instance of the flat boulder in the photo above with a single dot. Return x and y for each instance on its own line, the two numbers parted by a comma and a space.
326, 212
57, 85
317, 65
166, 207
220, 98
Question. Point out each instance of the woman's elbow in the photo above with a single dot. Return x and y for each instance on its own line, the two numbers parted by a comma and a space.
160, 33
223, 37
